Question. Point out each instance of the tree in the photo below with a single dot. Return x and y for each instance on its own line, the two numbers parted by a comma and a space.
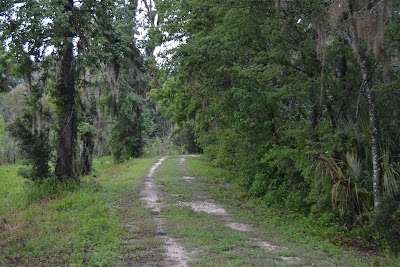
28, 29
80, 36
65, 164
2, 136
362, 25
128, 71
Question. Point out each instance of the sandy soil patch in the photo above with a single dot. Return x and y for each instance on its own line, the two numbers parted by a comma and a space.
267, 246
239, 227
189, 179
207, 207
290, 259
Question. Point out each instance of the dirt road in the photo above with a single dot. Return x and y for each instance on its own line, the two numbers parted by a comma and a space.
174, 189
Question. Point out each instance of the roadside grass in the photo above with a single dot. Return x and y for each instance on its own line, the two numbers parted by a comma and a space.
139, 245
101, 222
294, 231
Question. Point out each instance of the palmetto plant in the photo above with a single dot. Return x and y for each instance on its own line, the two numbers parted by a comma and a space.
391, 173
351, 192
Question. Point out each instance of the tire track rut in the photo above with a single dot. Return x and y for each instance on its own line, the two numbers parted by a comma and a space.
175, 254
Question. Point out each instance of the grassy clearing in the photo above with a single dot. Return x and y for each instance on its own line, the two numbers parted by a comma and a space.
101, 223
292, 230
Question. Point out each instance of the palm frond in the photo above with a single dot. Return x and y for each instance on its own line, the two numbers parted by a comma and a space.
391, 174
355, 165
348, 194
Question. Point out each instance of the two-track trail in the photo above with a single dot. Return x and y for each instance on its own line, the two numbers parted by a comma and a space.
208, 235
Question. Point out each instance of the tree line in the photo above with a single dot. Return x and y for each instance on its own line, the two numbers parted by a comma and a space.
298, 99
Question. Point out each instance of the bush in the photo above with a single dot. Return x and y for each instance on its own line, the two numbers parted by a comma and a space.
35, 147
386, 223
52, 187
49, 188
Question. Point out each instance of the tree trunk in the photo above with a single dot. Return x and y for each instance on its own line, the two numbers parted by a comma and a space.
65, 166
374, 128
363, 62
37, 113
87, 153
315, 115
90, 115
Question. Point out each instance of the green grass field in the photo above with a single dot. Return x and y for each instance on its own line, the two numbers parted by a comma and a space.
83, 227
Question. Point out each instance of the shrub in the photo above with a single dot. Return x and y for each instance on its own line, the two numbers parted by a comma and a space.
387, 224
35, 146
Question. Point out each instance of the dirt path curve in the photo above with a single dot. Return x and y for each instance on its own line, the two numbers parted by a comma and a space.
175, 254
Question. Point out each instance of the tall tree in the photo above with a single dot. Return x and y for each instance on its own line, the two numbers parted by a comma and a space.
362, 25
65, 164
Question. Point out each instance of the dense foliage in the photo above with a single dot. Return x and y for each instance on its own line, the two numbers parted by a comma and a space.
73, 82
296, 98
